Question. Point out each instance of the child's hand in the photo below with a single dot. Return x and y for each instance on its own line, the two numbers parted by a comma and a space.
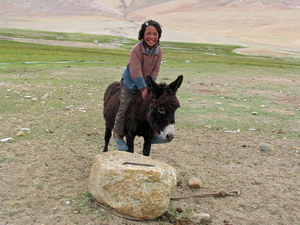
144, 93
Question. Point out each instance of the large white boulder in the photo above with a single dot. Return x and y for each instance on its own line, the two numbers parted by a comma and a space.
139, 191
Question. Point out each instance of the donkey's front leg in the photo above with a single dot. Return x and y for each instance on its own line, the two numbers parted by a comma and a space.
130, 142
147, 145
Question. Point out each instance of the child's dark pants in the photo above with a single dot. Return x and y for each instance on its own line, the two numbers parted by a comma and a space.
125, 99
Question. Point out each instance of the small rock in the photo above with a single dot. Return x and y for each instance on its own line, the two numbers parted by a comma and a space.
208, 126
178, 209
7, 139
265, 147
195, 183
21, 133
163, 218
200, 218
45, 95
81, 110
167, 214
235, 131
254, 113
184, 220
173, 220
75, 212
34, 99
226, 221
49, 131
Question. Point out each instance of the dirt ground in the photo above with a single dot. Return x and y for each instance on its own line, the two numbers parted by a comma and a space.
45, 182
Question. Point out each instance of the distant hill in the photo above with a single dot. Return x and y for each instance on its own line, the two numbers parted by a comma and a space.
120, 8
255, 4
131, 5
168, 6
273, 23
55, 8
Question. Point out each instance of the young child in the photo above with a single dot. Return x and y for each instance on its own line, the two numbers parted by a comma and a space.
144, 59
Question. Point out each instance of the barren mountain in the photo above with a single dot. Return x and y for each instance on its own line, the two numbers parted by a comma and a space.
131, 5
255, 4
257, 23
55, 8
47, 8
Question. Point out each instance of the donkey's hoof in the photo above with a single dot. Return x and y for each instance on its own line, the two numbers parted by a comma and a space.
120, 144
158, 140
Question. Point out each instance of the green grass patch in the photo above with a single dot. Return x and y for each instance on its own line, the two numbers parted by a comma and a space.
27, 54
48, 35
220, 88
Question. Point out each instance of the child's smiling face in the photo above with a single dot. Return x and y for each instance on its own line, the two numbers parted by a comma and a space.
151, 36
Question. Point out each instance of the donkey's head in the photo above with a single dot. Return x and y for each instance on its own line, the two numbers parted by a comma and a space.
161, 115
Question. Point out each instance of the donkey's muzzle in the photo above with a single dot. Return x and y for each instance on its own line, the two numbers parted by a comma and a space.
168, 133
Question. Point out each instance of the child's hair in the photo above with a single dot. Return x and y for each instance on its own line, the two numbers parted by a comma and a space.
150, 23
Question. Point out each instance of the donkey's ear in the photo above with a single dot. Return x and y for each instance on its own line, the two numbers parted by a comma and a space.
176, 84
154, 88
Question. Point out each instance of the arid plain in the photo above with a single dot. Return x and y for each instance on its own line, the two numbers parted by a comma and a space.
262, 25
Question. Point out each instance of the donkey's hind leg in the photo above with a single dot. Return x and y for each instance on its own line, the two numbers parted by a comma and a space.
107, 138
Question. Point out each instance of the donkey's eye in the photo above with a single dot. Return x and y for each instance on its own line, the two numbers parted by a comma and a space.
161, 110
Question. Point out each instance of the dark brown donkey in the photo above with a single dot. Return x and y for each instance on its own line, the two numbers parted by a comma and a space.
144, 117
